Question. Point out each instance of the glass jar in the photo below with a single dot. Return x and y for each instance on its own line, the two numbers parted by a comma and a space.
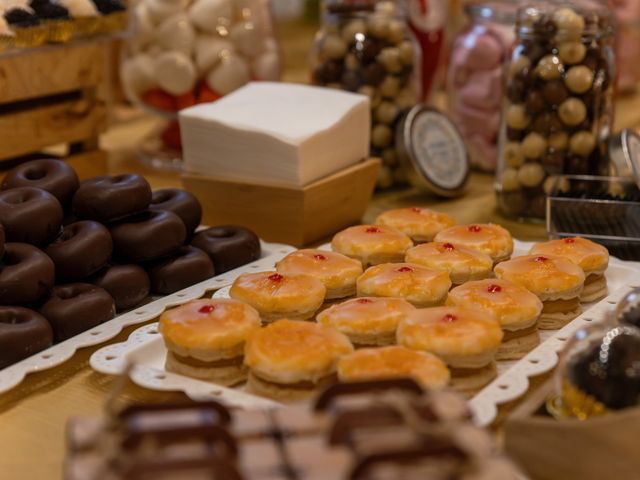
188, 52
368, 48
557, 105
474, 81
627, 14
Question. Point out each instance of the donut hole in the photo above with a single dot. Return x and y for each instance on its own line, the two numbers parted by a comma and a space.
120, 178
35, 173
222, 233
10, 259
16, 197
66, 293
68, 233
161, 197
13, 318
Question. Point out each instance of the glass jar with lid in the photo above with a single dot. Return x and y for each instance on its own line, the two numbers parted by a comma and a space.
557, 106
474, 80
367, 47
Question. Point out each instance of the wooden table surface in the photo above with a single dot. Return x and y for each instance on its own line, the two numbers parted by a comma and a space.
33, 415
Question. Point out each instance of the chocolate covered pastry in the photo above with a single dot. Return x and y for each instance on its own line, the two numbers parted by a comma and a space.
371, 430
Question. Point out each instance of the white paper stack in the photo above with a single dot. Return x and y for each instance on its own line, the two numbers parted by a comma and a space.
276, 133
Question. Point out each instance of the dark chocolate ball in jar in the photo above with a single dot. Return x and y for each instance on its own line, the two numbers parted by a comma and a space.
557, 101
370, 50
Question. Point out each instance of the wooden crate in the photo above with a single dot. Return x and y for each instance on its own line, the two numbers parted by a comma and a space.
55, 96
297, 216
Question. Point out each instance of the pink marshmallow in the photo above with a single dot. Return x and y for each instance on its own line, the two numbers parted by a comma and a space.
485, 51
481, 122
483, 90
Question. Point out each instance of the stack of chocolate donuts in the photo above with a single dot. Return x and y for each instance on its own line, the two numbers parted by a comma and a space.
73, 254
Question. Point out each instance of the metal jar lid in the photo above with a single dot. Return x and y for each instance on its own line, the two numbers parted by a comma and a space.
624, 154
432, 152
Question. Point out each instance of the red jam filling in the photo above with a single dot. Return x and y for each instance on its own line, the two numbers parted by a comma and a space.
372, 230
206, 309
275, 277
416, 209
319, 257
448, 247
364, 300
494, 289
540, 259
569, 240
474, 228
405, 269
448, 318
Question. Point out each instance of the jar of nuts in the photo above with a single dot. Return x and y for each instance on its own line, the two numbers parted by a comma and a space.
557, 106
367, 47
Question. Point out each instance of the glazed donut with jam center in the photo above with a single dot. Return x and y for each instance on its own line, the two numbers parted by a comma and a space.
23, 333
148, 236
180, 202
228, 246
111, 197
26, 274
74, 308
54, 176
81, 250
30, 215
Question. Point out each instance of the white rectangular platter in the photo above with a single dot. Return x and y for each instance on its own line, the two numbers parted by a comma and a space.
59, 353
145, 350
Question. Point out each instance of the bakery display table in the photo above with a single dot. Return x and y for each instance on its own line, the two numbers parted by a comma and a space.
33, 415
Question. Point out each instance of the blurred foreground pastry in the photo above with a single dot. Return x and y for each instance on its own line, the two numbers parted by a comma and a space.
463, 263
516, 309
590, 256
276, 295
394, 362
467, 340
372, 244
205, 339
418, 285
367, 320
491, 239
290, 360
337, 272
421, 224
555, 280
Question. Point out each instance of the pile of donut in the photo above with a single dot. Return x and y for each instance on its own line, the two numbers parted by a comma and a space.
418, 295
73, 254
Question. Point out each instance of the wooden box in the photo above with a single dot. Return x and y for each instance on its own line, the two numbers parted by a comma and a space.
604, 447
296, 216
52, 99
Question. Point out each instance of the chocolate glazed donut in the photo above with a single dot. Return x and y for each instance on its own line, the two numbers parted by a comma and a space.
187, 267
111, 197
23, 333
80, 250
76, 307
228, 246
180, 202
26, 274
128, 284
54, 176
148, 236
30, 215
2, 239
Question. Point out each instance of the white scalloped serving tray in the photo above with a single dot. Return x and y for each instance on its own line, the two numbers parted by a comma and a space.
11, 376
145, 350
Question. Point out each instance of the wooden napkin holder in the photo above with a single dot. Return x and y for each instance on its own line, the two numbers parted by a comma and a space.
294, 215
604, 447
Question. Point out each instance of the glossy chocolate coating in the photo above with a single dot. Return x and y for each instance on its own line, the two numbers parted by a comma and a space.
111, 197
129, 285
30, 215
26, 274
187, 267
80, 250
148, 236
2, 240
54, 176
76, 307
228, 246
23, 333
180, 202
